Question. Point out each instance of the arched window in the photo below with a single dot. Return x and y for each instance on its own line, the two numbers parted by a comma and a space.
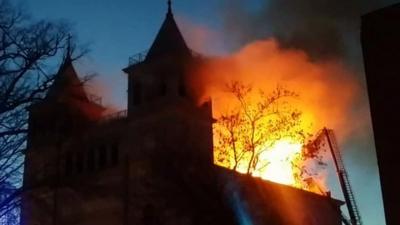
91, 160
114, 154
182, 89
137, 93
79, 162
68, 164
163, 89
102, 157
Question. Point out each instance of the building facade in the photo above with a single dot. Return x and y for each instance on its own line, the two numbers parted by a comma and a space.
381, 48
151, 165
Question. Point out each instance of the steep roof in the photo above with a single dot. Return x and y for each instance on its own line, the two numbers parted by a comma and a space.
169, 40
68, 90
67, 83
388, 11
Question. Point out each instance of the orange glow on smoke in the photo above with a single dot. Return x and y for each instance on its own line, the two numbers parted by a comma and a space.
327, 90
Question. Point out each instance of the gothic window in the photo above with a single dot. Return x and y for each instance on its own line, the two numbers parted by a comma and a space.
102, 157
114, 154
182, 89
163, 88
91, 160
79, 162
68, 164
137, 93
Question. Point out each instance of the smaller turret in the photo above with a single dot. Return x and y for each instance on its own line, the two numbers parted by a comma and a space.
65, 111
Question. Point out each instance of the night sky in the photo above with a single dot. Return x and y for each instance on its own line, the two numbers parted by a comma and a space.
117, 29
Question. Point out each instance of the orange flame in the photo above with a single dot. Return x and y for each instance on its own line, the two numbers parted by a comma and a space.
280, 159
327, 91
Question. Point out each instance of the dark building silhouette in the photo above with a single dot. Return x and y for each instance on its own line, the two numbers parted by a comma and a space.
152, 165
380, 36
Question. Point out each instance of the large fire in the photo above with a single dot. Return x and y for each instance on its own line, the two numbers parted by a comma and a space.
264, 138
264, 65
281, 158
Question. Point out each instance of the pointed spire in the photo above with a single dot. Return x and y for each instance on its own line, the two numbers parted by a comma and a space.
69, 51
67, 61
169, 40
169, 8
67, 82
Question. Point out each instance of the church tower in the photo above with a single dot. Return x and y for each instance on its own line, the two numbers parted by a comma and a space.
159, 75
64, 114
158, 85
86, 169
67, 108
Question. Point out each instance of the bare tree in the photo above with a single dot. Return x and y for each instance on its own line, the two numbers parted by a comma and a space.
25, 51
260, 120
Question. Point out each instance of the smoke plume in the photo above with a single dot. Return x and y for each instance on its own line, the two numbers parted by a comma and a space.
327, 90
322, 28
311, 47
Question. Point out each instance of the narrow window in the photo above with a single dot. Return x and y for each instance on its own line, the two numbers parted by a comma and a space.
163, 89
102, 157
137, 93
90, 160
79, 162
68, 164
182, 89
114, 154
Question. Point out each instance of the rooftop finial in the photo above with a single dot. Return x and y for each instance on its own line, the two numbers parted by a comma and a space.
169, 7
69, 51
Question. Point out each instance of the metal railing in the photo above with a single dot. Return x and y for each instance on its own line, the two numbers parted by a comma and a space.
141, 56
138, 58
115, 116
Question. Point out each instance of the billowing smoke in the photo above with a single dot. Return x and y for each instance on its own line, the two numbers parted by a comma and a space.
324, 32
327, 90
322, 28
313, 47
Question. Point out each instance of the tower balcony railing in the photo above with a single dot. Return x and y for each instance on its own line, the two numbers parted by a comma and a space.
141, 56
138, 58
116, 116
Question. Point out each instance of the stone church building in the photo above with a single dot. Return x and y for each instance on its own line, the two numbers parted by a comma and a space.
150, 166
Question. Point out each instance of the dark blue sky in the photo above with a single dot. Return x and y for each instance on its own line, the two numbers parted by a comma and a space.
117, 29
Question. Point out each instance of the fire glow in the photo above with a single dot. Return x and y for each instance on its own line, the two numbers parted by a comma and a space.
281, 158
264, 65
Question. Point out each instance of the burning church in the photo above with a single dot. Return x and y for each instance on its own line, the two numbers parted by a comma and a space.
152, 164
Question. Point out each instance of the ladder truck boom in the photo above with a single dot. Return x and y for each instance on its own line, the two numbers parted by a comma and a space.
344, 180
